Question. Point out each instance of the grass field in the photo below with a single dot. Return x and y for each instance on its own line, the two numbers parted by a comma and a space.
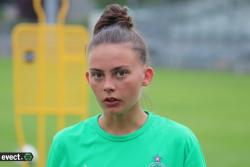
215, 105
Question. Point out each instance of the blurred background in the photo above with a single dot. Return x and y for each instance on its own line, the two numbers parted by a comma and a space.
200, 50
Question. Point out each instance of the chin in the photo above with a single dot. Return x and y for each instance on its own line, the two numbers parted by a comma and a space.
113, 111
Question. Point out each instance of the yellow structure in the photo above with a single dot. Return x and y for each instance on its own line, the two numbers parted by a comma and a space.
49, 63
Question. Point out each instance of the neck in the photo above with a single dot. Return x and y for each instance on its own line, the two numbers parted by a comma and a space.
121, 124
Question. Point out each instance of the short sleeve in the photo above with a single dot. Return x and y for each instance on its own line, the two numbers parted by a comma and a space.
194, 156
54, 157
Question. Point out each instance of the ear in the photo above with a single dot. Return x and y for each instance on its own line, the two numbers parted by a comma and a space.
148, 75
87, 76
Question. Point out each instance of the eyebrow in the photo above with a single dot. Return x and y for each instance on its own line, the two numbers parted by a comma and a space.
112, 70
95, 69
119, 68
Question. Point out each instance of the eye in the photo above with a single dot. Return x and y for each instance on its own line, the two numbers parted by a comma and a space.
121, 73
97, 75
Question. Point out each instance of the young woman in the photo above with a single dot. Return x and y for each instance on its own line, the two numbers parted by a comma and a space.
123, 135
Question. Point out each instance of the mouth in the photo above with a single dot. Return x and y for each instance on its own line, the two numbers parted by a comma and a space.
111, 102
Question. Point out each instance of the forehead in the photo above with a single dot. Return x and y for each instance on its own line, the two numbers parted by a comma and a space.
113, 55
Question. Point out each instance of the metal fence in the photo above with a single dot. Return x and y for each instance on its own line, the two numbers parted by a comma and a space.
206, 34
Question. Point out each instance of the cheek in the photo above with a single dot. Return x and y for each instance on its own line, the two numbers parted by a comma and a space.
95, 87
131, 88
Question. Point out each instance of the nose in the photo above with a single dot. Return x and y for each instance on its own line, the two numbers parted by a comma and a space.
109, 85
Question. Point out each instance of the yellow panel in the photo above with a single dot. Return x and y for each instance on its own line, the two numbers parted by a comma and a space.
49, 63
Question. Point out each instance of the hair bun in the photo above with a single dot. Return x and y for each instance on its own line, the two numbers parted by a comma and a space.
114, 15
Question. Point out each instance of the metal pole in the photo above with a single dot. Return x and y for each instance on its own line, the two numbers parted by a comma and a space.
51, 10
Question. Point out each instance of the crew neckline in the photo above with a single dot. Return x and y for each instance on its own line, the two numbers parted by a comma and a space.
126, 137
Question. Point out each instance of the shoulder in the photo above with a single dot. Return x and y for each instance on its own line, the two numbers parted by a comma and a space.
78, 130
172, 129
179, 137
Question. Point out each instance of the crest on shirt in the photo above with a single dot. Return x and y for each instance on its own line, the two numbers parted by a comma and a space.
157, 162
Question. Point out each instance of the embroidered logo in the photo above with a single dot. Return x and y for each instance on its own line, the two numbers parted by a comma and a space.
157, 162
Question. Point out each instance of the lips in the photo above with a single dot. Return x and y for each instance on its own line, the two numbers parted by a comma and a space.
111, 102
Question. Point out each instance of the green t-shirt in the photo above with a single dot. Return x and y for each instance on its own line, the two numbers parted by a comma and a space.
160, 142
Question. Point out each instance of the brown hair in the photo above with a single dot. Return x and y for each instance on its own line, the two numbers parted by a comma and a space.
116, 26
